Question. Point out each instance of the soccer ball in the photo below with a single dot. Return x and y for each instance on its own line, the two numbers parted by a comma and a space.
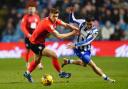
47, 80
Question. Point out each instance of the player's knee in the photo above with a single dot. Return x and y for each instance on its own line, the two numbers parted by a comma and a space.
37, 61
54, 55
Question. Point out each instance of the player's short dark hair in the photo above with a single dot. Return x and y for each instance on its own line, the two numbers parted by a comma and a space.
54, 11
89, 18
31, 4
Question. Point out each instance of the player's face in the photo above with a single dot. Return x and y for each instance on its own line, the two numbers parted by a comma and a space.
54, 17
89, 24
31, 10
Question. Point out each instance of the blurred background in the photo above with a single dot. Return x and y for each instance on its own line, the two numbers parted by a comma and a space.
111, 18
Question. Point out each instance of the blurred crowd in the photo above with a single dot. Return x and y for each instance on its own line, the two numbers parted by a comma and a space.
111, 17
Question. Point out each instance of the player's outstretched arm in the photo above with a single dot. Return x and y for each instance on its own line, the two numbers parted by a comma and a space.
66, 25
72, 18
62, 36
87, 41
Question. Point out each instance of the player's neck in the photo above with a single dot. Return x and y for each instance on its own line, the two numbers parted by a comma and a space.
31, 14
51, 20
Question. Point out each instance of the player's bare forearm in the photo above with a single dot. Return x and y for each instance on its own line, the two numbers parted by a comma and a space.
72, 27
66, 35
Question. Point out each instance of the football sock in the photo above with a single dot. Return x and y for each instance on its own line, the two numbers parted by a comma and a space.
28, 72
70, 61
105, 77
32, 66
26, 56
56, 64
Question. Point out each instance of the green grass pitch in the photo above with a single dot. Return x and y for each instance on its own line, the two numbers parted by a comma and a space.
11, 75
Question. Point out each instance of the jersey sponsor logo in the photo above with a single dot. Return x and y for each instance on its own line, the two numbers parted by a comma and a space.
33, 25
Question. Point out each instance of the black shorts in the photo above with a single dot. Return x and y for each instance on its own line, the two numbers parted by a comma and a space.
37, 48
27, 43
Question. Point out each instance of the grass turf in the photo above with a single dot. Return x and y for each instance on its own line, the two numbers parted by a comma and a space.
11, 75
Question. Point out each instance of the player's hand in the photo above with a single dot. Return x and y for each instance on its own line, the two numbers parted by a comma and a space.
76, 32
72, 9
70, 46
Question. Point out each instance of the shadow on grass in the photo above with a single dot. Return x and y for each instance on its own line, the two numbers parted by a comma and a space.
66, 81
12, 82
19, 82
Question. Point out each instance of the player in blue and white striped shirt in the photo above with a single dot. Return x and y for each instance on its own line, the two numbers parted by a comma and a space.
82, 46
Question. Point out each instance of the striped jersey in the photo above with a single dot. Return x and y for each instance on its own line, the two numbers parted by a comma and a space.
83, 41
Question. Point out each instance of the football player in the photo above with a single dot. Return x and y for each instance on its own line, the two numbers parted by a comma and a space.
82, 46
46, 27
29, 23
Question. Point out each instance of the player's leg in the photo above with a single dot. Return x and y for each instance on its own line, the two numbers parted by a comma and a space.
86, 58
77, 62
72, 61
40, 65
27, 45
27, 55
49, 53
37, 49
99, 72
32, 65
